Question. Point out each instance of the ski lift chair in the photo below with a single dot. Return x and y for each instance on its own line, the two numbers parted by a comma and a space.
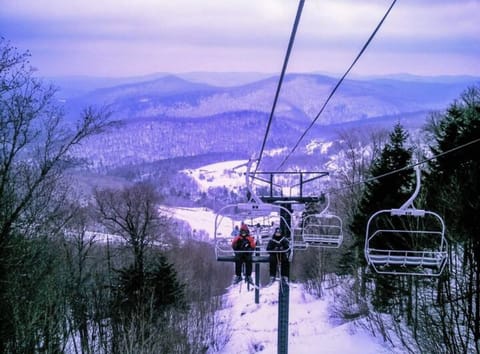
323, 230
249, 213
406, 241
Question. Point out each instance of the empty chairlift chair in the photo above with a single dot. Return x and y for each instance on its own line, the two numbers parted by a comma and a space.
323, 230
297, 242
406, 241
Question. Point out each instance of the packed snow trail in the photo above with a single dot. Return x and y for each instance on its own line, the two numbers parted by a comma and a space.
311, 330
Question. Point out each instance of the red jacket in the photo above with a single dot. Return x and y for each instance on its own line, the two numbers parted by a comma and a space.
236, 244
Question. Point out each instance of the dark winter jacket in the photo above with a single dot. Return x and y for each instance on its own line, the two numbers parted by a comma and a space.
278, 244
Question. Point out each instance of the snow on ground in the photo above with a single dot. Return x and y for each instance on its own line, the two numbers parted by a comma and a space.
254, 326
315, 145
230, 174
311, 330
200, 219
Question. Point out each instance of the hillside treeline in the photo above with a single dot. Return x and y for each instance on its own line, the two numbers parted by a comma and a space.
441, 312
110, 275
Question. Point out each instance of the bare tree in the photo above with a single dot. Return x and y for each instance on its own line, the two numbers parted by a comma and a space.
35, 150
132, 213
359, 148
35, 145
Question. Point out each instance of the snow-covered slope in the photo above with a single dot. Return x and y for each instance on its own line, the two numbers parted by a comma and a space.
199, 219
311, 327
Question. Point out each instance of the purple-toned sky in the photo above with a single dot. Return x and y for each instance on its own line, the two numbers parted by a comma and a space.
138, 37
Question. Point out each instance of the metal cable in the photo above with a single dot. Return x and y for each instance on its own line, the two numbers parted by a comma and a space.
284, 68
338, 83
408, 167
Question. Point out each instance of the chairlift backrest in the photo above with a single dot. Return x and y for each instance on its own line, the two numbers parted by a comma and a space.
322, 230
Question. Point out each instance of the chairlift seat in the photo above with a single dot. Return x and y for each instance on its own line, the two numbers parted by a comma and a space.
322, 230
259, 255
407, 258
412, 261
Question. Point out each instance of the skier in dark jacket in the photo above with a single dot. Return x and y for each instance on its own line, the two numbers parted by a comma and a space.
243, 245
278, 249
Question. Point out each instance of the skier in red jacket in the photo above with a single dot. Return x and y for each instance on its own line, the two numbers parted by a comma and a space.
243, 245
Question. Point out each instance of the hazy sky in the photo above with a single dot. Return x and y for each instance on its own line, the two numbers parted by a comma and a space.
136, 37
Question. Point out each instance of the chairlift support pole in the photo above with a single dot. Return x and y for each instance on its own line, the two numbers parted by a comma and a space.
284, 290
257, 282
283, 309
286, 224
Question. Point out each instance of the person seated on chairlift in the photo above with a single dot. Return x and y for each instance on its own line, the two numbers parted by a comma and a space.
277, 247
243, 245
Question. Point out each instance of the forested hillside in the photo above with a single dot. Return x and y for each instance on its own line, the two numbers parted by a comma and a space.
168, 117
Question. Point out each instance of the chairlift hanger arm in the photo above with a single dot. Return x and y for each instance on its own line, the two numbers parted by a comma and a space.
409, 202
325, 210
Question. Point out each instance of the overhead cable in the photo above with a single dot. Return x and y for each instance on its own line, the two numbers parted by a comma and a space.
338, 83
408, 167
284, 68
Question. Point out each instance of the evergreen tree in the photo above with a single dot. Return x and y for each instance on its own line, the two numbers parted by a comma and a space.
454, 187
387, 192
156, 288
390, 191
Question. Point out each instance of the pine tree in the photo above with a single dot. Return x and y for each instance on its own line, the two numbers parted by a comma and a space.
387, 192
155, 288
454, 187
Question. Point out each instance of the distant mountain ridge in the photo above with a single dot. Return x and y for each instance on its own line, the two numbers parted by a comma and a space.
165, 116
301, 98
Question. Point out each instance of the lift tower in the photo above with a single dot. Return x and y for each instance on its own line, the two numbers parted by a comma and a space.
286, 197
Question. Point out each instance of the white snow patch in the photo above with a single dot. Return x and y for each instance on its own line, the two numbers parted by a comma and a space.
275, 152
199, 219
318, 145
229, 174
